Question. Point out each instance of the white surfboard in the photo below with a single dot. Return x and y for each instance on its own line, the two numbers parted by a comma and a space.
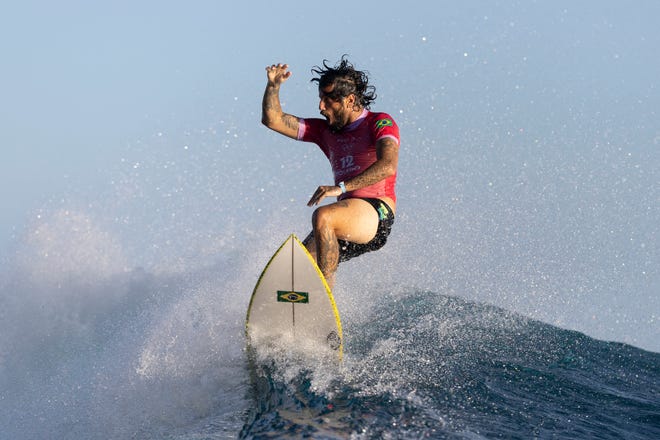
292, 302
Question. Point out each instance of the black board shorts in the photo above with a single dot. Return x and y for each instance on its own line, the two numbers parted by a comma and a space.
348, 250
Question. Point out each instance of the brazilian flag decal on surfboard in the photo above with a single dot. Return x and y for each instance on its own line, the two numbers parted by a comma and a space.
292, 297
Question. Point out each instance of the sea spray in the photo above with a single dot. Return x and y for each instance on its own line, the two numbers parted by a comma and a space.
90, 349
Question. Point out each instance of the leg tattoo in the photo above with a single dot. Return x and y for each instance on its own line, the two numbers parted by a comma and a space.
328, 252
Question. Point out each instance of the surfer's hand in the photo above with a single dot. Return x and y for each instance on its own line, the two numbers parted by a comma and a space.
322, 192
277, 74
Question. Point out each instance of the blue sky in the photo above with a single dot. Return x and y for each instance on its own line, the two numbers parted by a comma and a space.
80, 80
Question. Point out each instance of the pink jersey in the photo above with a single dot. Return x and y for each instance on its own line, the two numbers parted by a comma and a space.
353, 149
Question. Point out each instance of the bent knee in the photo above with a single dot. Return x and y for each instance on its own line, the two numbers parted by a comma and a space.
322, 217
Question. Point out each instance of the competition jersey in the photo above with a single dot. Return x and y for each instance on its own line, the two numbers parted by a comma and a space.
353, 149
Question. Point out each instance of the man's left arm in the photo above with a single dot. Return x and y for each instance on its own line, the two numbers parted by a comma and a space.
387, 161
387, 154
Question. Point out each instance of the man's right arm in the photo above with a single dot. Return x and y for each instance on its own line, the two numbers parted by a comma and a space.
272, 115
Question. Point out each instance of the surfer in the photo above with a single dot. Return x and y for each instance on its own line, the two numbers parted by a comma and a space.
363, 150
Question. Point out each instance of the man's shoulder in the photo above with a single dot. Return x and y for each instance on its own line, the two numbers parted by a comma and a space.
312, 128
314, 120
317, 123
380, 119
378, 115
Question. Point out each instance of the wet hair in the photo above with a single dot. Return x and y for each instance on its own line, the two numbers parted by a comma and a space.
346, 80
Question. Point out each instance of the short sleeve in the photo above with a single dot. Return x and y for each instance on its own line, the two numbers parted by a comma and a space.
383, 126
310, 130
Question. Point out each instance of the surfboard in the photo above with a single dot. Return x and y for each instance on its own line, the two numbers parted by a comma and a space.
292, 303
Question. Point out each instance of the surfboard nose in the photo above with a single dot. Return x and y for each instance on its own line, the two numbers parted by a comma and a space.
292, 298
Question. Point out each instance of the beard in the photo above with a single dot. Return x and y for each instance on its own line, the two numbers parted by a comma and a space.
337, 122
337, 126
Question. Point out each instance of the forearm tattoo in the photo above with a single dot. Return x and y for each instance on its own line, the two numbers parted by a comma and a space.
378, 171
272, 110
271, 101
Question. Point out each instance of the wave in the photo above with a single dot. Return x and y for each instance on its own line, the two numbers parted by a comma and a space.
92, 349
427, 365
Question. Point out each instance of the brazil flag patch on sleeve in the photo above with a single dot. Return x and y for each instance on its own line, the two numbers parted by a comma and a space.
381, 123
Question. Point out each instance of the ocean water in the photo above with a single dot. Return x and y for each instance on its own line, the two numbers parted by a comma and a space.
425, 365
92, 349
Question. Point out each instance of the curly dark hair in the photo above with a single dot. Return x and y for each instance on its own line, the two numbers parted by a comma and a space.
346, 80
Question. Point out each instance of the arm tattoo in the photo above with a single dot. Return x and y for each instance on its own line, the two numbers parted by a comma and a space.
271, 101
290, 121
273, 116
381, 169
